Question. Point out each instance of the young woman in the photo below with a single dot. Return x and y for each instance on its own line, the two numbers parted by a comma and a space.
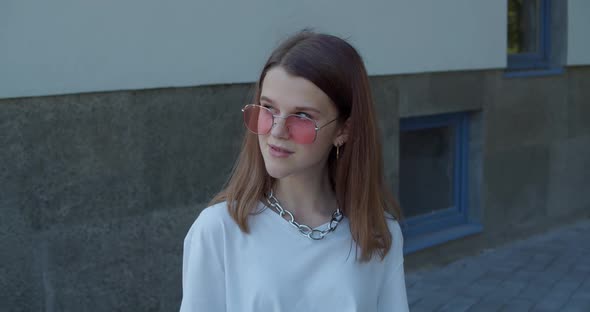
305, 223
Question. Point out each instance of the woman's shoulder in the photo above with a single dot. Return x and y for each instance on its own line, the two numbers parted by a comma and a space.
397, 237
212, 218
393, 224
216, 211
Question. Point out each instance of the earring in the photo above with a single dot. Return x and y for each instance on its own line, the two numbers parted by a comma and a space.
337, 152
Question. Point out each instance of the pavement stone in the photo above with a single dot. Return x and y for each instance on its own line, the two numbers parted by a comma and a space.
517, 305
577, 305
546, 272
458, 304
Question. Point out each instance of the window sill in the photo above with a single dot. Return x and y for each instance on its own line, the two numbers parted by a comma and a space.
432, 239
533, 72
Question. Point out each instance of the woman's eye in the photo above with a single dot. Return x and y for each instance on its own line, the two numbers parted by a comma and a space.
302, 114
269, 107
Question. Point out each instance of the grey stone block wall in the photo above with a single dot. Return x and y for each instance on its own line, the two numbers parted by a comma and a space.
439, 93
385, 93
538, 152
98, 190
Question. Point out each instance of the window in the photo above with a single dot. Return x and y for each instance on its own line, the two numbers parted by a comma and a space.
529, 34
433, 194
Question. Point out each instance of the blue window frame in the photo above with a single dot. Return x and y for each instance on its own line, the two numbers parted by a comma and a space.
529, 40
449, 218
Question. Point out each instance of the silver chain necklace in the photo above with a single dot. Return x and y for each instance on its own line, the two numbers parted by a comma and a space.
305, 229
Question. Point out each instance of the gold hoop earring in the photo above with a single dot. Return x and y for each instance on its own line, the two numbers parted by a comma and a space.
337, 152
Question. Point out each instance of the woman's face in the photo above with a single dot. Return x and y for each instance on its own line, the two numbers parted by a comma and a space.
285, 94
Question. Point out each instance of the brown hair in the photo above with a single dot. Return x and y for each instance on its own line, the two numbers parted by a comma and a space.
337, 69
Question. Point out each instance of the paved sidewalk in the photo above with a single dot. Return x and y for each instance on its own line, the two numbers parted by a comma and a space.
547, 272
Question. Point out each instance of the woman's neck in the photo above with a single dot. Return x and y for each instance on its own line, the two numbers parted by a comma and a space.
309, 197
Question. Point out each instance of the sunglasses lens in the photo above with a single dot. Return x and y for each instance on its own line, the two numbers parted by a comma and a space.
257, 119
302, 130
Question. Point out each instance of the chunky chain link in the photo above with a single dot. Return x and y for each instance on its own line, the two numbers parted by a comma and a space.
304, 229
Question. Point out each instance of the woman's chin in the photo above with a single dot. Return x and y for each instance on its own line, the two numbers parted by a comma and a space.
277, 173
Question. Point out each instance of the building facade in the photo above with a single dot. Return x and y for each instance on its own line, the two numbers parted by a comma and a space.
120, 120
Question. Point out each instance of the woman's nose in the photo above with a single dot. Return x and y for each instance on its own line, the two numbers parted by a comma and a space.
279, 128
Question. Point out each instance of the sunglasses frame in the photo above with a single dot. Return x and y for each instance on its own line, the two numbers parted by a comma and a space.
316, 127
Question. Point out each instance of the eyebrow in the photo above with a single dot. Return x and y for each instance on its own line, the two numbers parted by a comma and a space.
299, 108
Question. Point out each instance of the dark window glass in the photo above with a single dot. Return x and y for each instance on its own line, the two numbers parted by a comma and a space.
427, 170
524, 25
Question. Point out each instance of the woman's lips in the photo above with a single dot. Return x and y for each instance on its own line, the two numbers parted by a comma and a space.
279, 152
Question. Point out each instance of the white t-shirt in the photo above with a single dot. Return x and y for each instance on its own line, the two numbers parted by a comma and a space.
276, 268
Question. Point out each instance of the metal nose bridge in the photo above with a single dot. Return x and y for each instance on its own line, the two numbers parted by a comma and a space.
283, 130
274, 122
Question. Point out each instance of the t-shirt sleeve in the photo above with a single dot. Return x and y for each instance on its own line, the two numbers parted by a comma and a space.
392, 297
203, 276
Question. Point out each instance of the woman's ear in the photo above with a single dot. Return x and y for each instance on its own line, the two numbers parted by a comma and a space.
342, 135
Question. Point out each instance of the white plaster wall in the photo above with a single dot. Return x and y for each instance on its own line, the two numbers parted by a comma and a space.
71, 46
578, 41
